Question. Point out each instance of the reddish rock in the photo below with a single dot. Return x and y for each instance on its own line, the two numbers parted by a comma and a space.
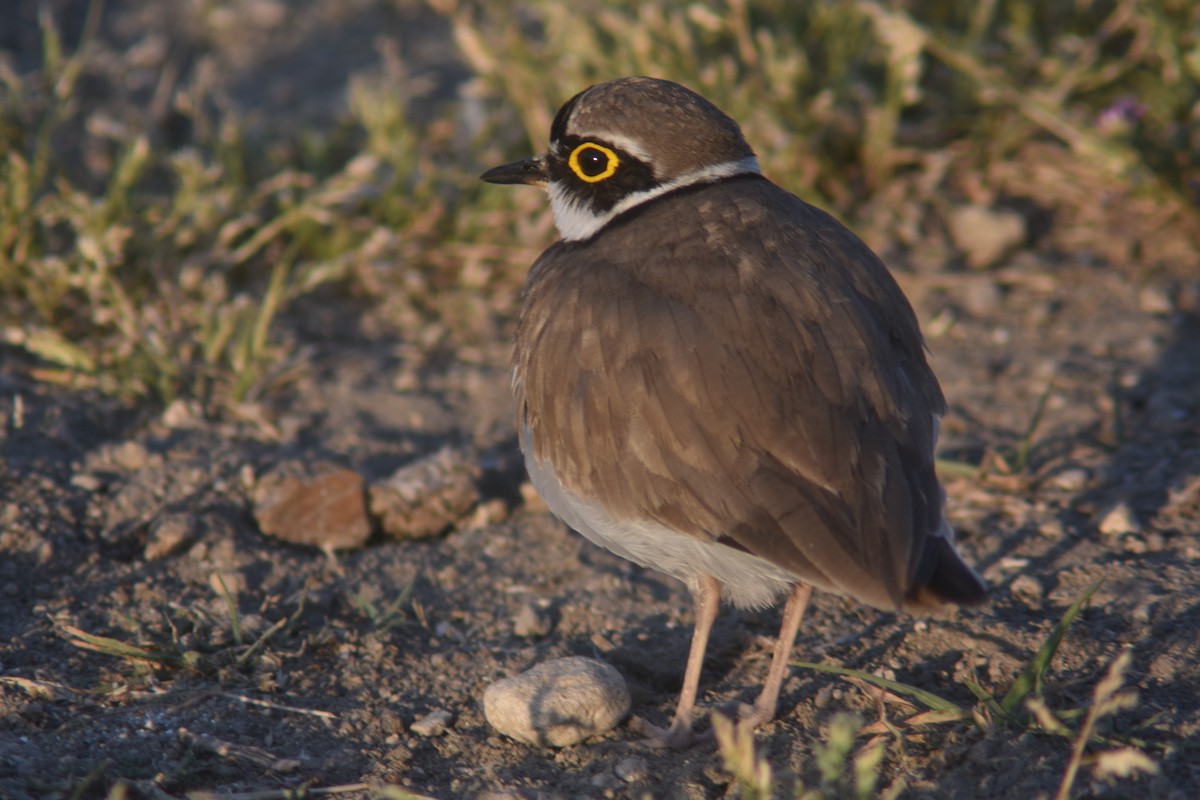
428, 496
324, 506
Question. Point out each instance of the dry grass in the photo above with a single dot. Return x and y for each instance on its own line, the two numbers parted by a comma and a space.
162, 273
849, 774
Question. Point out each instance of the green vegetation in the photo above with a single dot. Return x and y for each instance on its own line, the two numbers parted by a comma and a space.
188, 639
158, 270
847, 773
843, 773
1022, 705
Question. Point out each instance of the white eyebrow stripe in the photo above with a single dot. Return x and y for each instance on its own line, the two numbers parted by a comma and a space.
618, 140
576, 221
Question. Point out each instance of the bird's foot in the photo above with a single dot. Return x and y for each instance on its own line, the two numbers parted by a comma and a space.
752, 716
746, 716
677, 737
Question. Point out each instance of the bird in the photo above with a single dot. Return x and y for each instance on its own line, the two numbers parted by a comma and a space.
721, 382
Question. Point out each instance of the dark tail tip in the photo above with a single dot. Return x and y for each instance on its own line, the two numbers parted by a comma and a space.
944, 577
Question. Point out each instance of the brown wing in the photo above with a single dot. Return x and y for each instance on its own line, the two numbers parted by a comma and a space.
761, 381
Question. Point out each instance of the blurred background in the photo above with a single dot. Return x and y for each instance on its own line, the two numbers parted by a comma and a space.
176, 176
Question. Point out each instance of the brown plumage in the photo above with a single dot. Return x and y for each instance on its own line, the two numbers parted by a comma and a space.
721, 381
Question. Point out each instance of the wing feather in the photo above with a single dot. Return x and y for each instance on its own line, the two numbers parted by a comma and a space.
762, 383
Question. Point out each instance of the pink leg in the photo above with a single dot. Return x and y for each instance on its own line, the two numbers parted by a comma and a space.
707, 601
764, 708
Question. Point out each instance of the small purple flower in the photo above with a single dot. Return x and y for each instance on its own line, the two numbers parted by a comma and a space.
1121, 115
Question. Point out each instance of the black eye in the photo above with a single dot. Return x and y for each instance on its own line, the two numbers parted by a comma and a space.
593, 162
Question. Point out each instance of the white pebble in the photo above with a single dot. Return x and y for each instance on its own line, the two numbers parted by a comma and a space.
558, 703
1071, 480
1119, 520
434, 723
528, 623
986, 235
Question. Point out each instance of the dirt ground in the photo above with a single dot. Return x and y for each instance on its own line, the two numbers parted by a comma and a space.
138, 525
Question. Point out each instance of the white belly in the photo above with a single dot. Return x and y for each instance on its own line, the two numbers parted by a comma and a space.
747, 581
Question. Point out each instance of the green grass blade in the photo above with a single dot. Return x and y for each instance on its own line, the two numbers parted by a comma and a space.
1030, 679
124, 650
984, 697
928, 698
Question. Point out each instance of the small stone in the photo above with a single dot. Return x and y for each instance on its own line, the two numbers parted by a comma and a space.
986, 235
1134, 545
1028, 589
182, 414
492, 512
169, 534
529, 623
1070, 480
130, 456
631, 769
428, 496
323, 505
531, 499
435, 723
231, 583
1119, 520
86, 481
390, 722
1051, 529
558, 703
1155, 299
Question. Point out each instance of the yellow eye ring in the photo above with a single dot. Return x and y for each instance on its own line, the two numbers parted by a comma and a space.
603, 158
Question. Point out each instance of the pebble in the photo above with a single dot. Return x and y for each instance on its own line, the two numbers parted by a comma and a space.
531, 499
1155, 300
390, 722
181, 414
528, 622
87, 482
985, 235
1134, 545
169, 534
435, 723
1052, 529
559, 702
429, 496
130, 455
1070, 480
322, 505
1119, 520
